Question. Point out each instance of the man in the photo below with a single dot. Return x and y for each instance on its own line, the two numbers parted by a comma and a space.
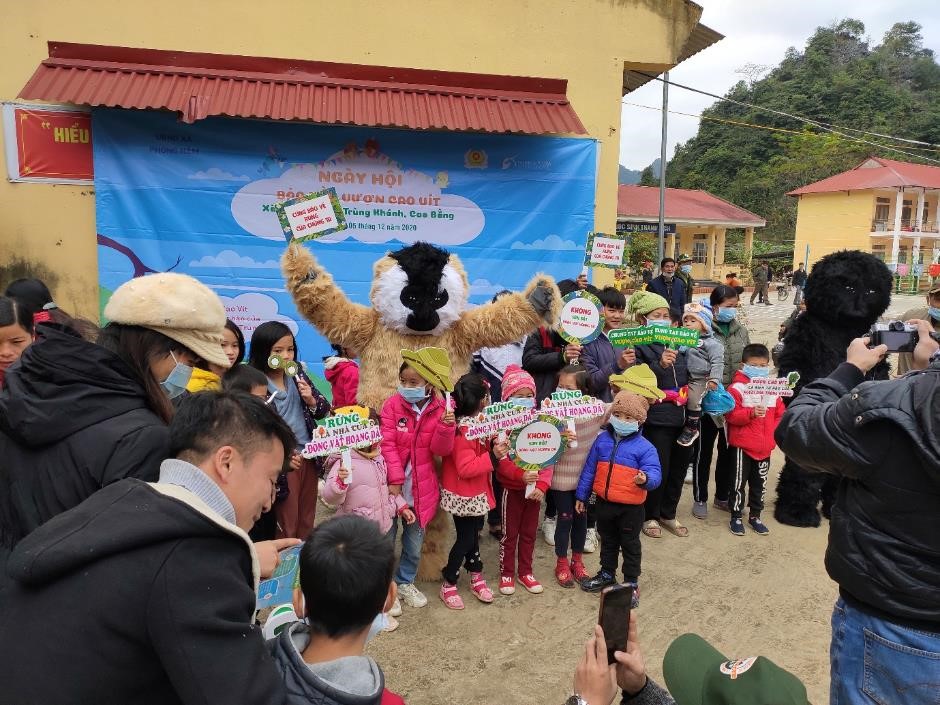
930, 313
647, 273
761, 282
145, 592
799, 281
880, 439
670, 287
684, 272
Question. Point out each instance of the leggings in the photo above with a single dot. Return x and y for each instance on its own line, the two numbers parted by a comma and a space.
466, 548
702, 460
495, 517
570, 524
661, 503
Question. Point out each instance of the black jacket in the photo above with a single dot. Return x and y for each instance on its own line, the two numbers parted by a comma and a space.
675, 377
799, 277
882, 440
135, 596
542, 358
72, 420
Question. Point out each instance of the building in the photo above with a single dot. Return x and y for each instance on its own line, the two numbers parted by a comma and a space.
882, 206
696, 223
590, 53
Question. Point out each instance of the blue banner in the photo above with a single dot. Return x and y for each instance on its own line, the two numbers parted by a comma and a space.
199, 199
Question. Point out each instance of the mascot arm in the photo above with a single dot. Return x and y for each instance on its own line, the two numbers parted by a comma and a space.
510, 317
321, 302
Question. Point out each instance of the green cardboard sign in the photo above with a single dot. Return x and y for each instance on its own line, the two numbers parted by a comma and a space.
604, 250
581, 319
646, 335
311, 216
538, 444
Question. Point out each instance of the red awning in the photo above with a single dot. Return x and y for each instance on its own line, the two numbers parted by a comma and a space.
201, 85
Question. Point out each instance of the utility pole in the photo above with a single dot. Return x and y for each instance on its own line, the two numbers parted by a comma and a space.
662, 171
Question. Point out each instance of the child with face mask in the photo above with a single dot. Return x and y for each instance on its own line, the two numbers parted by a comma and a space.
705, 362
416, 426
621, 466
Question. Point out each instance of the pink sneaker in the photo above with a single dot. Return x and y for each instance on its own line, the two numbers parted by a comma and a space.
531, 584
450, 597
507, 584
480, 588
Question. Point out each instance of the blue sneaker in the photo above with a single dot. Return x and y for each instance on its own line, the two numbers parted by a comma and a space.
737, 527
635, 602
758, 526
598, 582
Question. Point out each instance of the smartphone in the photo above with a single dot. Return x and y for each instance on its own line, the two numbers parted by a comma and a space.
614, 617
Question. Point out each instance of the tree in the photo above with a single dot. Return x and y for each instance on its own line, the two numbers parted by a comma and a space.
643, 246
648, 178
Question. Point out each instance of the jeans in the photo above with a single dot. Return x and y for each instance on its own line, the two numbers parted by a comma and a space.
797, 294
873, 660
412, 539
570, 525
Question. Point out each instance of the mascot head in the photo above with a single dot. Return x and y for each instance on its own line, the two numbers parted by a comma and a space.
419, 290
848, 287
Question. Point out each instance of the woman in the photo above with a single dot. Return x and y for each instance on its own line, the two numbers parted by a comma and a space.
76, 416
16, 332
734, 336
209, 376
32, 294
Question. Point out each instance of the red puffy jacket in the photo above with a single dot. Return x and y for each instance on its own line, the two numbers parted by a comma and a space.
753, 435
343, 376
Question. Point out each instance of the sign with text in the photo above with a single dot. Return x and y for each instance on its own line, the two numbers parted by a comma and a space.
336, 433
605, 250
501, 416
538, 444
311, 216
669, 336
765, 391
633, 226
581, 320
48, 144
573, 404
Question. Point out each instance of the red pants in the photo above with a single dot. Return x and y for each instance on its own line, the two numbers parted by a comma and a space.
296, 513
520, 526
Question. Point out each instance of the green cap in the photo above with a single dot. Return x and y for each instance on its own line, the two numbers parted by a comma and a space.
697, 674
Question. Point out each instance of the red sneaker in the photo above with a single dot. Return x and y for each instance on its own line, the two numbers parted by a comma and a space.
578, 571
507, 585
531, 584
563, 573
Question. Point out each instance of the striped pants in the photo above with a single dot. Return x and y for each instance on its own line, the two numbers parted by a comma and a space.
753, 472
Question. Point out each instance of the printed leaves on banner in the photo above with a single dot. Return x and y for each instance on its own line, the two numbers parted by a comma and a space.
340, 432
311, 216
605, 250
500, 416
581, 319
538, 444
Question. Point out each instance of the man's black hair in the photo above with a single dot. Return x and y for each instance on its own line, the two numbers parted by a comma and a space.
755, 350
345, 571
665, 261
566, 286
469, 391
207, 421
243, 378
611, 297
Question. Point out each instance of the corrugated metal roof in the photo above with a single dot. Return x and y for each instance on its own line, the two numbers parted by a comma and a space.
200, 85
701, 38
683, 206
876, 172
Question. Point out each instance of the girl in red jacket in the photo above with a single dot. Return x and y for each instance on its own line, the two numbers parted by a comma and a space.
751, 441
467, 492
520, 512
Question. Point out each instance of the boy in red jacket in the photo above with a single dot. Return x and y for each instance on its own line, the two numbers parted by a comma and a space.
751, 441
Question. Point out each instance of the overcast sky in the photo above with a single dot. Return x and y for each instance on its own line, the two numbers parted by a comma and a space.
756, 32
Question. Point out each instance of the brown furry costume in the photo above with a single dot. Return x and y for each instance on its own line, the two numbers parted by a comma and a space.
380, 333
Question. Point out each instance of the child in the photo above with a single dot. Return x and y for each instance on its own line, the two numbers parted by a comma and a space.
342, 372
706, 364
467, 492
571, 526
300, 405
415, 428
345, 585
599, 357
751, 441
207, 376
245, 378
620, 468
520, 512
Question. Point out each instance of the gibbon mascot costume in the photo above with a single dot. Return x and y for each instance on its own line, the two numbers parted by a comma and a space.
419, 299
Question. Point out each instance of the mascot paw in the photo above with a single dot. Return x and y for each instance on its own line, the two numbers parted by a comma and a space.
436, 548
299, 265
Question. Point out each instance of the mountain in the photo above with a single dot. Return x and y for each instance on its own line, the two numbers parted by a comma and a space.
628, 176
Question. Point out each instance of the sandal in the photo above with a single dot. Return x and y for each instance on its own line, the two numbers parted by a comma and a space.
450, 597
479, 588
651, 529
674, 527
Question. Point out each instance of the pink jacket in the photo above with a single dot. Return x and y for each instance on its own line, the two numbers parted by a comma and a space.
343, 376
367, 495
468, 471
407, 438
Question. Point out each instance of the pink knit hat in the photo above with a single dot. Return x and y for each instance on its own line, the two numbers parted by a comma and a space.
514, 379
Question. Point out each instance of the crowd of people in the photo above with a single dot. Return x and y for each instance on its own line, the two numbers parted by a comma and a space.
157, 459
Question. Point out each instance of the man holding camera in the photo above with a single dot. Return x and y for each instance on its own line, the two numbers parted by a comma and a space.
883, 440
929, 313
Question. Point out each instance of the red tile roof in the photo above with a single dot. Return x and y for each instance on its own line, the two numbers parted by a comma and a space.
876, 172
200, 85
683, 206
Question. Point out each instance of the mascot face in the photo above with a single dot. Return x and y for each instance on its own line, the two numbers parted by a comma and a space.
848, 287
419, 290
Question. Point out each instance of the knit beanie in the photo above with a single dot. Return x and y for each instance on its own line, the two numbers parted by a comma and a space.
514, 379
702, 311
642, 302
633, 405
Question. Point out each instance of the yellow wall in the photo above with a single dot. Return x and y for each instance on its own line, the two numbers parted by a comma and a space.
586, 42
833, 221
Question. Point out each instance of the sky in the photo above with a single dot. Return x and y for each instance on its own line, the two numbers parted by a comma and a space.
756, 32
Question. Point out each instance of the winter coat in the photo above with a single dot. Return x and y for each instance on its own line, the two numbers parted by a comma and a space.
569, 465
159, 583
734, 342
343, 376
881, 439
676, 292
905, 360
761, 276
799, 277
73, 419
408, 438
468, 471
542, 358
491, 364
510, 476
367, 495
665, 413
599, 358
707, 361
612, 465
203, 380
754, 435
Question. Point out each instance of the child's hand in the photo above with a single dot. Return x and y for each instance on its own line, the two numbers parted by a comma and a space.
759, 412
579, 507
668, 358
448, 418
712, 386
571, 352
342, 474
536, 496
500, 450
394, 490
306, 393
408, 516
570, 435
530, 476
295, 461
640, 478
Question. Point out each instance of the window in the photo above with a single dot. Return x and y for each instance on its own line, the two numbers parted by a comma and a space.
699, 250
882, 207
878, 251
902, 256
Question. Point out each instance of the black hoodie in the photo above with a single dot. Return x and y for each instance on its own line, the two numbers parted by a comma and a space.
72, 419
142, 594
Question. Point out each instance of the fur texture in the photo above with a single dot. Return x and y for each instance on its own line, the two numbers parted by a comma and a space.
846, 292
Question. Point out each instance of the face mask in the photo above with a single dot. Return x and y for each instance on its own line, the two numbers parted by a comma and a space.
726, 315
624, 428
934, 313
668, 275
658, 323
685, 268
176, 381
752, 371
524, 402
378, 624
413, 395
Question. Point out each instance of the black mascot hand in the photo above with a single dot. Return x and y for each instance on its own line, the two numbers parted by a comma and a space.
541, 299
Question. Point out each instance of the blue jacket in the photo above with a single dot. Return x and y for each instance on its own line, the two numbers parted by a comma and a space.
675, 292
600, 361
610, 454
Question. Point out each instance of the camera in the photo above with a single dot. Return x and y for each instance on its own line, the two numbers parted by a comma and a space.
897, 335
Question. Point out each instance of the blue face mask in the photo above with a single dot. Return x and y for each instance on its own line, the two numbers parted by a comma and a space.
685, 268
378, 624
413, 395
934, 313
524, 402
176, 381
624, 428
659, 324
726, 315
752, 371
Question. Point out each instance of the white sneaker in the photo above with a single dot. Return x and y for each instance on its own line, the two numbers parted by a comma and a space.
590, 541
688, 476
548, 530
411, 595
391, 624
396, 609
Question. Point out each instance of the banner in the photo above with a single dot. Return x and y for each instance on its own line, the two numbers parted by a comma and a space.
202, 200
47, 143
645, 335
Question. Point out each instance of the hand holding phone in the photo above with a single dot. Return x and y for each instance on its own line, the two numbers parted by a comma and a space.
614, 617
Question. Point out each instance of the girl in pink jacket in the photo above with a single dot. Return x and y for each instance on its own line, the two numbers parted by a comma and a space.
415, 428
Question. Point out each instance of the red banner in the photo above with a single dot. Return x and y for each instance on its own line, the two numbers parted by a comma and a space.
54, 144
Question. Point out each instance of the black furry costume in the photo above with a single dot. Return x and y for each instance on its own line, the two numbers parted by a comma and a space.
846, 292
